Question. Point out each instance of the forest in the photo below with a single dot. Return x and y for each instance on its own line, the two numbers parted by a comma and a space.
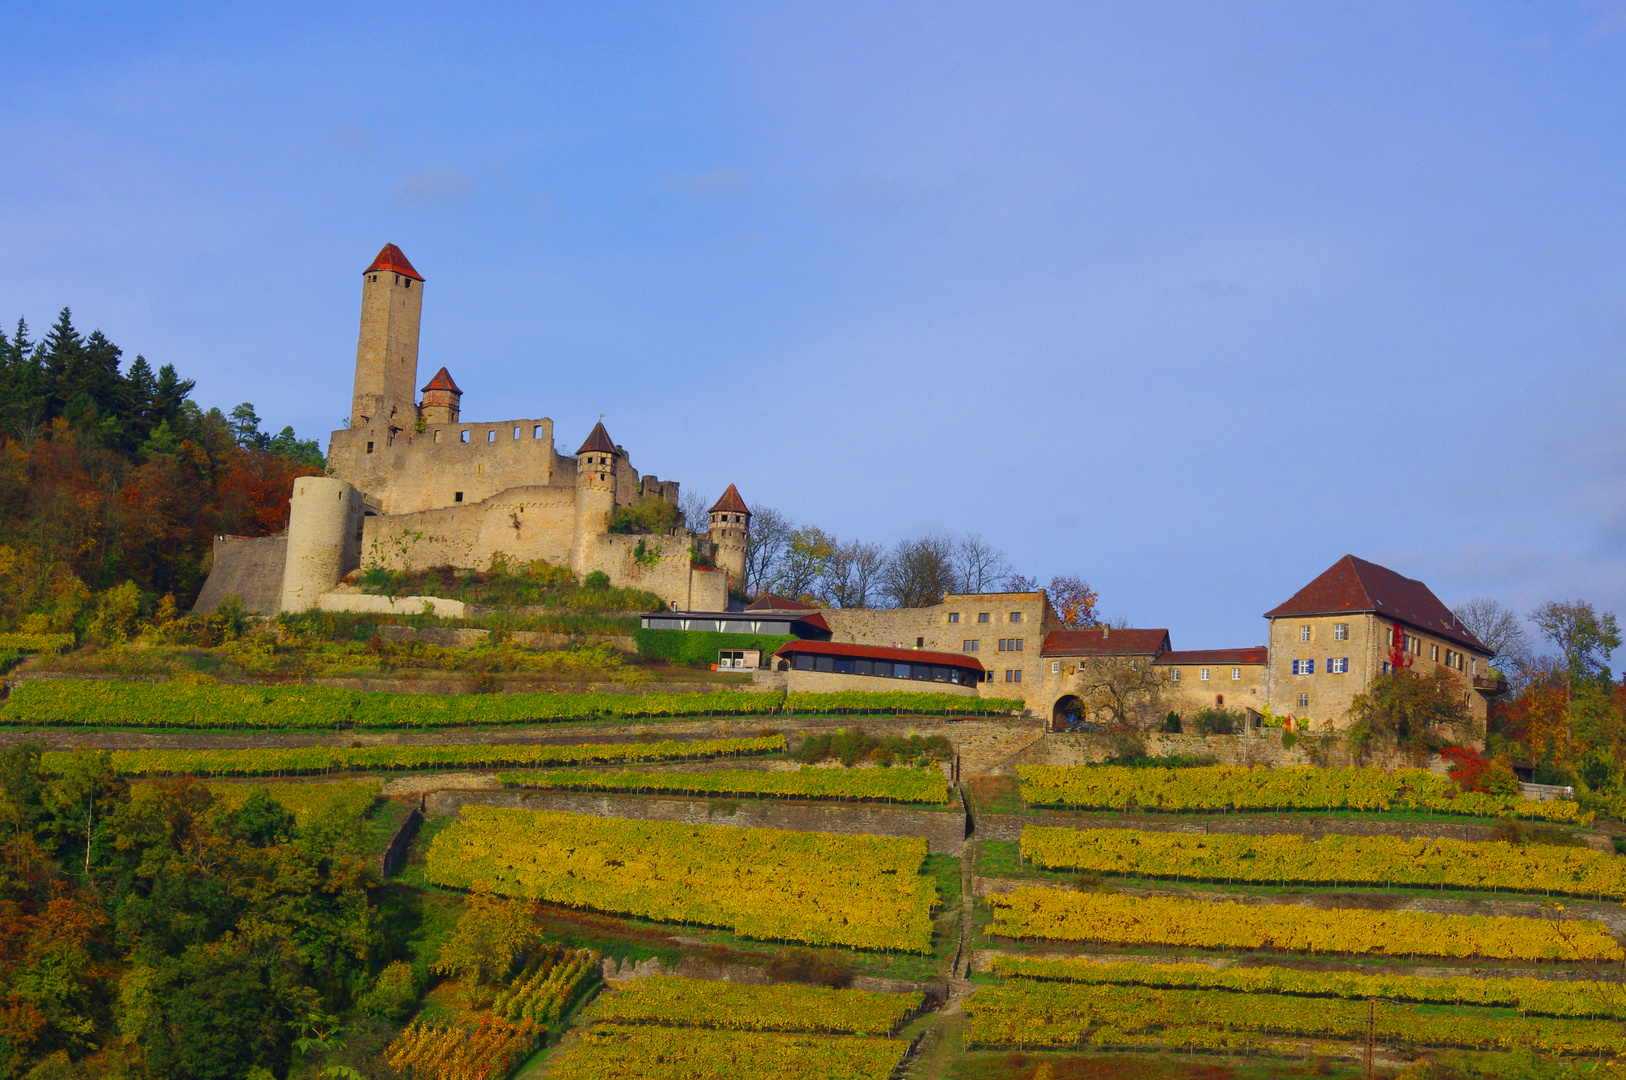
112, 473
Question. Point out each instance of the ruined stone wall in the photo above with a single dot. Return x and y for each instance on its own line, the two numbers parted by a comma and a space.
246, 567
420, 470
523, 524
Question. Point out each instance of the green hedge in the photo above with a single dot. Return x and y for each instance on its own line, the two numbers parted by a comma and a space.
699, 648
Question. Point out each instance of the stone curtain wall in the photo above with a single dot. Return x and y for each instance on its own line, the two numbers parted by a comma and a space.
416, 472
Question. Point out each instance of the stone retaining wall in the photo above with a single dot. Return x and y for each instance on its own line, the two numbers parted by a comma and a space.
944, 831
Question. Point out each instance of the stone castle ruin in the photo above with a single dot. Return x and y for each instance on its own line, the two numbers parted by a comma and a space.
411, 485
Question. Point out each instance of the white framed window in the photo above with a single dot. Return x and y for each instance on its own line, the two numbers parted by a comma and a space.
1202, 673
1174, 674
1473, 666
1338, 665
1340, 631
1304, 667
1434, 653
1055, 666
1236, 674
1304, 701
1304, 633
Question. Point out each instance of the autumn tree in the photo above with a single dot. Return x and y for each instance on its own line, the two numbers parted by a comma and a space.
920, 572
1416, 713
1124, 693
978, 565
1074, 602
853, 577
765, 549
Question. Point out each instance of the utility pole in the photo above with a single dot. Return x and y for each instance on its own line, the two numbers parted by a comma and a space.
1371, 1025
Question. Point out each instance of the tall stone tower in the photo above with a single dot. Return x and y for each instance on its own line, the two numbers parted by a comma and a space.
595, 493
387, 353
731, 532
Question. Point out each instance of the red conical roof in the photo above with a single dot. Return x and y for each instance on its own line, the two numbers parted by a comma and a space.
730, 503
599, 442
391, 259
442, 381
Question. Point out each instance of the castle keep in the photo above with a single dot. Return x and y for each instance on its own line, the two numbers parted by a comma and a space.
411, 485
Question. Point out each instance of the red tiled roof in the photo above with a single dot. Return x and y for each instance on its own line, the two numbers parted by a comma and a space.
1259, 654
598, 442
774, 602
391, 259
1108, 643
442, 381
880, 652
1354, 585
730, 503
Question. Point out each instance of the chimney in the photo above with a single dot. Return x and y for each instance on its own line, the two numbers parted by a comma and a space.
1103, 631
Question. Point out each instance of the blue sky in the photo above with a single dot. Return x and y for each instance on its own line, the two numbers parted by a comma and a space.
1190, 299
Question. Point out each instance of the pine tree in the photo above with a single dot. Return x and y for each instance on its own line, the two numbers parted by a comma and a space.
142, 388
62, 349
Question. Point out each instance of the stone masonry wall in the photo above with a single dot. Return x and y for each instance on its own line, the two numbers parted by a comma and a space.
250, 568
944, 831
420, 470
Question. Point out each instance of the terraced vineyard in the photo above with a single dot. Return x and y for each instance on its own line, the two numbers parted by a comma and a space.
727, 1006
1064, 915
1041, 1014
321, 759
1218, 788
890, 785
866, 892
1534, 997
96, 703
1380, 861
689, 1028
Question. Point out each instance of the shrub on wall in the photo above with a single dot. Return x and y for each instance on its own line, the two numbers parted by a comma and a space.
700, 647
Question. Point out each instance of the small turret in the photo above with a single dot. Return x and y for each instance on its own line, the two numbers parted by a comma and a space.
442, 400
731, 533
595, 491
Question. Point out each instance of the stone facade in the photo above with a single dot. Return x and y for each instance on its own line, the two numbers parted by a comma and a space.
1005, 631
1335, 637
411, 486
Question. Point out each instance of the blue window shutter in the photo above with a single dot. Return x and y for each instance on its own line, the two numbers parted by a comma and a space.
1295, 667
1309, 667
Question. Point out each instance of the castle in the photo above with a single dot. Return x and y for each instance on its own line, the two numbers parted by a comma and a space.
411, 485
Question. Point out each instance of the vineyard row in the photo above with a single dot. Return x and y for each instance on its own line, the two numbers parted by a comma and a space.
893, 785
1290, 859
1219, 788
80, 702
1065, 915
320, 759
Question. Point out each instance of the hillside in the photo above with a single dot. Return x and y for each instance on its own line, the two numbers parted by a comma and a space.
524, 849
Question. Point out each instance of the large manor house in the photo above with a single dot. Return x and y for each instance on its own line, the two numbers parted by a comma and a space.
411, 484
